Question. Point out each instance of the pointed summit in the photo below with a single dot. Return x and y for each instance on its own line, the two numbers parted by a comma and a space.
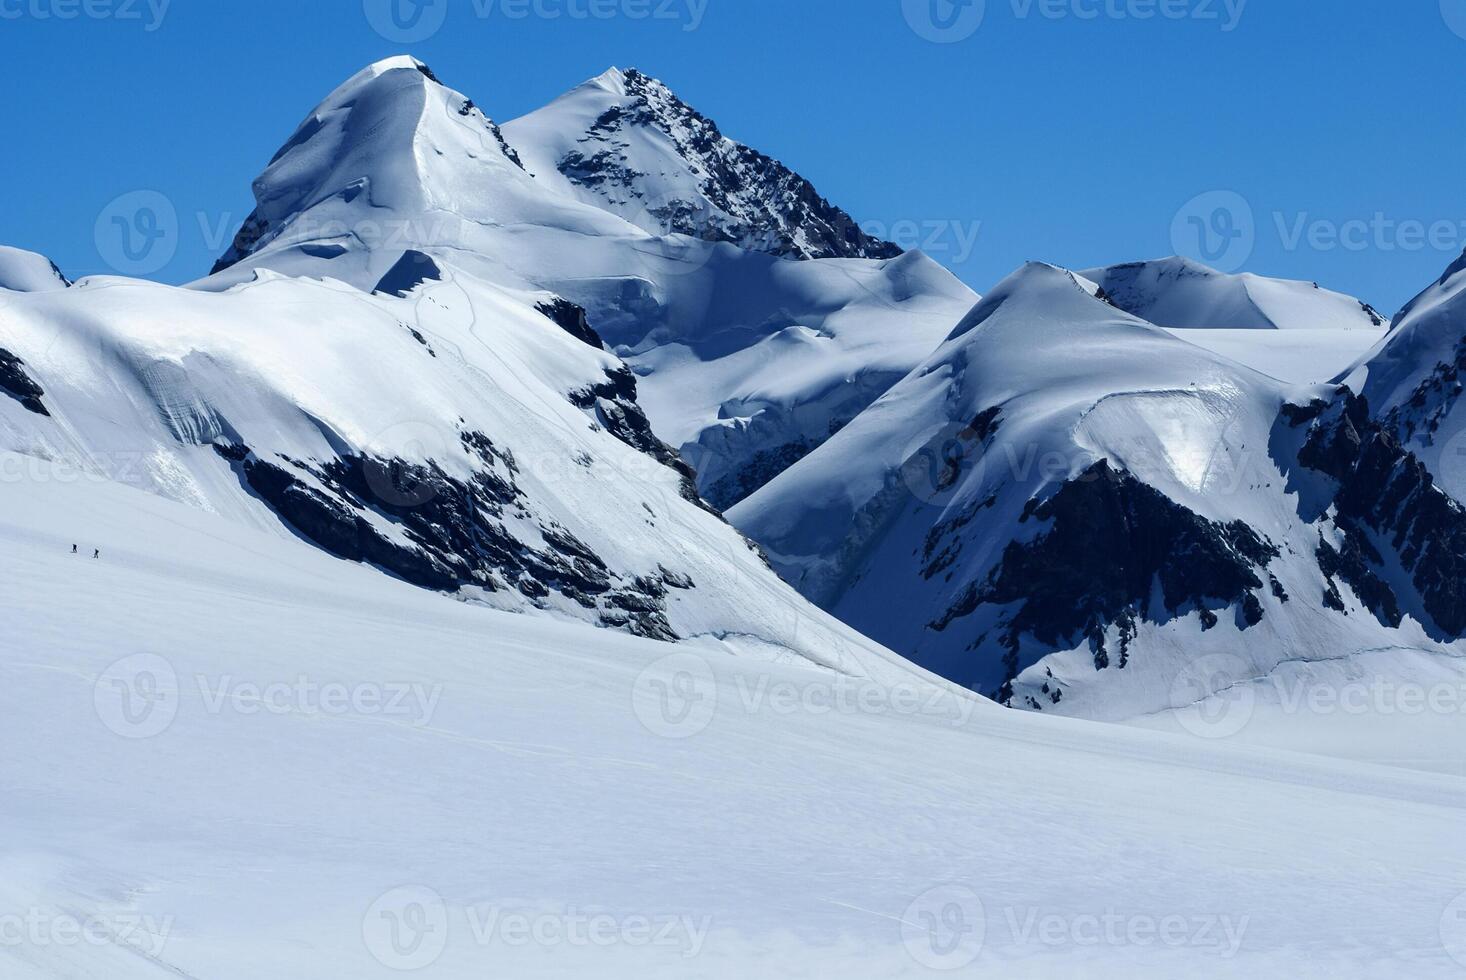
623, 141
613, 80
394, 148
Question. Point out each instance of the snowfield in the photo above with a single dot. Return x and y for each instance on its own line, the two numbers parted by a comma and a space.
233, 757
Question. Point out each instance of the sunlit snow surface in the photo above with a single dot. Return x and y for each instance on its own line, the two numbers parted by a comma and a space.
566, 802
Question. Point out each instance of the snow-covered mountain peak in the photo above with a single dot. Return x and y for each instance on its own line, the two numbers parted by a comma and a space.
624, 141
1179, 292
393, 158
28, 272
612, 80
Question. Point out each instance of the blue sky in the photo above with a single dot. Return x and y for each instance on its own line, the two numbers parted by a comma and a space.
1307, 140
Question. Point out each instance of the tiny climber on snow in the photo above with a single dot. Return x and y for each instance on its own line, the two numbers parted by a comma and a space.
97, 553
73, 549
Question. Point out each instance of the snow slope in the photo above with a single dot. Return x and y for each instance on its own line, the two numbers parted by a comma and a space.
746, 360
1072, 510
181, 780
453, 437
27, 272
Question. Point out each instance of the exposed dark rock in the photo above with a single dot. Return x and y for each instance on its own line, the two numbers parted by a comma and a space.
1387, 490
250, 234
614, 405
468, 110
1356, 564
16, 383
1111, 541
673, 580
934, 564
571, 318
1375, 316
1422, 414
450, 532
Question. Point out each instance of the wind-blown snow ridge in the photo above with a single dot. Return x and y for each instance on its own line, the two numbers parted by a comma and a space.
1178, 292
27, 272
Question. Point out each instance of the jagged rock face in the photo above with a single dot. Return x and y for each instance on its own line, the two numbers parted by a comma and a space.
572, 318
1112, 541
614, 407
471, 111
1431, 402
1386, 499
742, 196
18, 385
452, 531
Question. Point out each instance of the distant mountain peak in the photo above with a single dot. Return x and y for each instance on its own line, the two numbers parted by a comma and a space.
1182, 293
394, 137
624, 141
